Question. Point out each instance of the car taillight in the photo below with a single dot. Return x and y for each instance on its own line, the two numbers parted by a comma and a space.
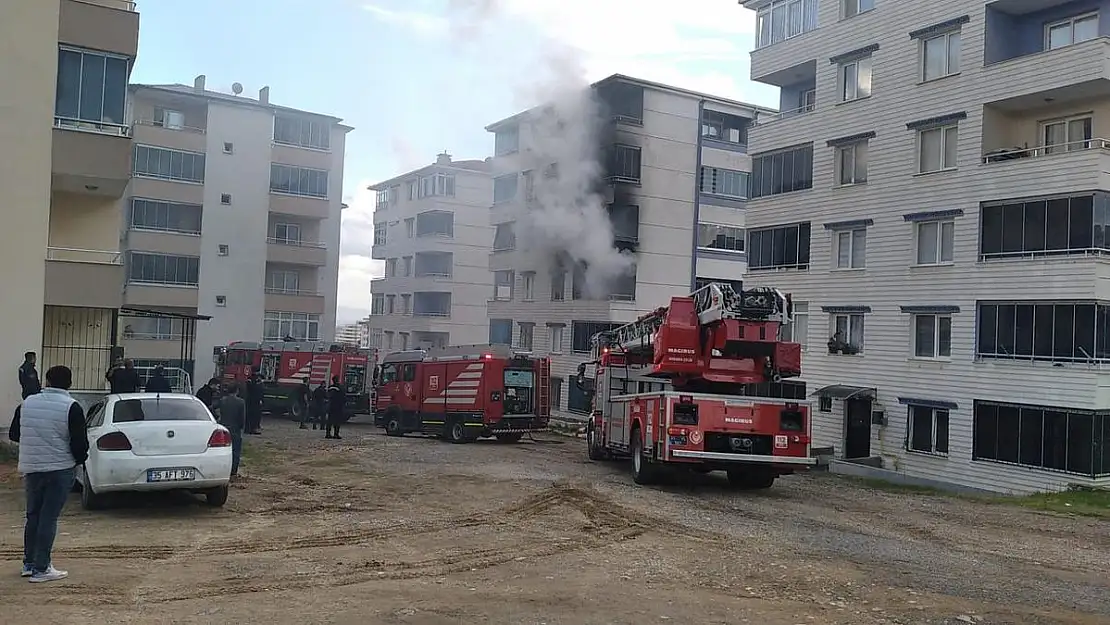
220, 438
114, 441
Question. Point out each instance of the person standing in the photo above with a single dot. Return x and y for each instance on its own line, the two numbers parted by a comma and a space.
254, 404
50, 429
233, 416
29, 375
337, 401
319, 405
209, 393
124, 379
304, 399
158, 382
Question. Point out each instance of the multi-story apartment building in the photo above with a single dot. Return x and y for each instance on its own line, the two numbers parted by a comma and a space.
349, 334
233, 213
934, 195
675, 184
63, 126
431, 227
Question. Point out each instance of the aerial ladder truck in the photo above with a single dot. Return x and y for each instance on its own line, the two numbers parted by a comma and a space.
702, 384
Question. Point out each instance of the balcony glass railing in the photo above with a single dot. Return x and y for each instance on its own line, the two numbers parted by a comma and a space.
104, 128
77, 255
177, 127
294, 242
765, 119
1011, 154
276, 290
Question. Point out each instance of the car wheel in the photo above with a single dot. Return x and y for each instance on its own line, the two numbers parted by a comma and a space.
644, 471
296, 410
89, 499
216, 497
511, 437
456, 432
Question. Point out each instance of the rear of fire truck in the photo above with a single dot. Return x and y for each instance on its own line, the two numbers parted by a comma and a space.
702, 385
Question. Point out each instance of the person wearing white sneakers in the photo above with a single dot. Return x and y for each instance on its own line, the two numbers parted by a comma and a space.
50, 429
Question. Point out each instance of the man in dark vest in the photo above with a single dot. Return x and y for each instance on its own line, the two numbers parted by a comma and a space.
29, 376
319, 405
337, 400
124, 379
158, 382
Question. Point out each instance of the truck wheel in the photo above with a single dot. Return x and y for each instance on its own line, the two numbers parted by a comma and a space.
296, 410
593, 445
644, 472
747, 479
456, 432
512, 437
393, 426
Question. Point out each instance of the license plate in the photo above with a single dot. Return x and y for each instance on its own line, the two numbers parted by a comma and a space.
171, 475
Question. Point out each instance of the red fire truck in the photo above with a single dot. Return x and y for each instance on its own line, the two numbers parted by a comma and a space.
699, 384
284, 365
464, 392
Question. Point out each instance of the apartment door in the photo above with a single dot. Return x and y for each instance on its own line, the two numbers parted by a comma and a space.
857, 428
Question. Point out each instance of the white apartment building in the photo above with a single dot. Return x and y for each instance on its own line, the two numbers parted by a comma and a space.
935, 197
676, 178
349, 334
431, 227
232, 212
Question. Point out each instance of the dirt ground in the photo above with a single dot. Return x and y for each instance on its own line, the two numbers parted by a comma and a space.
373, 529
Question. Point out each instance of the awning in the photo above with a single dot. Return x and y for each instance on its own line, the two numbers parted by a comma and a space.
132, 311
843, 391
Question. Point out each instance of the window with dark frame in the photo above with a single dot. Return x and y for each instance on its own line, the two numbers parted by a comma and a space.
505, 188
927, 430
935, 241
779, 247
1054, 226
782, 172
1068, 440
145, 267
1048, 331
301, 181
501, 331
726, 182
582, 331
932, 336
624, 163
725, 127
167, 164
165, 216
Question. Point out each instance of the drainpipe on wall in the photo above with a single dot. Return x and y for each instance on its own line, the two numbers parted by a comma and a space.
697, 200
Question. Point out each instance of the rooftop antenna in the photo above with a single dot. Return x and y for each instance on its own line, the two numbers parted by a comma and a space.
236, 88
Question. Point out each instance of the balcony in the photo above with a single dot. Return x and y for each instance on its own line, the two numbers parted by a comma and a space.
175, 243
625, 220
295, 300
433, 265
90, 159
105, 25
1067, 74
176, 137
435, 223
83, 278
293, 252
299, 206
1042, 143
431, 304
155, 295
784, 33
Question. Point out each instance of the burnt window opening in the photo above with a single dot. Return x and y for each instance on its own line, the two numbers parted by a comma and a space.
624, 102
624, 163
625, 219
504, 237
725, 127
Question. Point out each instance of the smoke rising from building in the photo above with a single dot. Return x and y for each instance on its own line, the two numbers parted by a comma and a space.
564, 216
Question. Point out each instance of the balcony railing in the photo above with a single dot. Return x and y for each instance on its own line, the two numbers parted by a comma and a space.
76, 255
431, 313
152, 336
1010, 154
123, 5
150, 122
769, 119
295, 242
103, 128
272, 290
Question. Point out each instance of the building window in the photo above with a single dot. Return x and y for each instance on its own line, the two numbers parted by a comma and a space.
724, 182
718, 237
940, 56
221, 300
431, 304
855, 79
798, 330
165, 216
437, 185
528, 285
583, 331
935, 241
936, 149
1043, 227
505, 187
555, 339
377, 304
783, 19
725, 127
299, 326
302, 132
406, 266
851, 248
851, 163
503, 285
391, 267
1044, 331
501, 331
506, 141
807, 101
558, 285
847, 333
410, 227
435, 223
225, 199
287, 233
223, 249
779, 247
526, 334
1067, 135
433, 264
91, 89
166, 118
148, 268
151, 328
624, 163
168, 164
1043, 437
406, 304
383, 198
932, 336
299, 181
1069, 31
283, 282
404, 340
624, 102
379, 233
556, 393
390, 304
782, 172
374, 338
229, 147
927, 430
852, 8
504, 237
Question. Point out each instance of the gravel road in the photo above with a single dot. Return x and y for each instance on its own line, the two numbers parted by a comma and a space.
381, 530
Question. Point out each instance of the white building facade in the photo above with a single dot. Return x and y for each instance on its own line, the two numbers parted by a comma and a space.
431, 227
934, 196
676, 182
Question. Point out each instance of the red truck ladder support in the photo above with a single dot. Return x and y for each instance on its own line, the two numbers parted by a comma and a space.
544, 390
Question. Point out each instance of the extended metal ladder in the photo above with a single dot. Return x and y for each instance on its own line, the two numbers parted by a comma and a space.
543, 389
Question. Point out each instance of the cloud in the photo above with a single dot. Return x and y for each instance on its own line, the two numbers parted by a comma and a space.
356, 268
423, 23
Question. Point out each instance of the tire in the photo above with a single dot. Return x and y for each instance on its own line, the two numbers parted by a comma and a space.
216, 497
393, 425
89, 499
509, 438
297, 410
456, 432
747, 479
644, 472
593, 447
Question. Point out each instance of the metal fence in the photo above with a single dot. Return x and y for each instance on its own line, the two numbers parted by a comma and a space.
82, 339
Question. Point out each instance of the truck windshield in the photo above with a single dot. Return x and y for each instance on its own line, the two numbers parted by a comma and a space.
519, 378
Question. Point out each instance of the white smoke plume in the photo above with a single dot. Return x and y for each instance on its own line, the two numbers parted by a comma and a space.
568, 218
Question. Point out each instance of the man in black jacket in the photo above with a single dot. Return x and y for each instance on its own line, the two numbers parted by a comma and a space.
303, 397
158, 382
124, 379
319, 405
209, 393
254, 404
29, 376
337, 400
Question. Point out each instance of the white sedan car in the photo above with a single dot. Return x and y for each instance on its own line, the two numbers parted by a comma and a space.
154, 442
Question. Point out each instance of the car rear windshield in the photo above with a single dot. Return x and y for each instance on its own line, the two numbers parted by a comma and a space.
159, 409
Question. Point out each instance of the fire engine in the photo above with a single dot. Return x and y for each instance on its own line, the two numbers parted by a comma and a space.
465, 392
700, 384
284, 366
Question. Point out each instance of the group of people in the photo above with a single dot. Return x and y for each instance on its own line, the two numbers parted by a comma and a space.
324, 407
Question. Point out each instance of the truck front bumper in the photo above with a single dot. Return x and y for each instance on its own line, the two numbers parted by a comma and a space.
713, 456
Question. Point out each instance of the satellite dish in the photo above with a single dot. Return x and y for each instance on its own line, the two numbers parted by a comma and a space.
236, 88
